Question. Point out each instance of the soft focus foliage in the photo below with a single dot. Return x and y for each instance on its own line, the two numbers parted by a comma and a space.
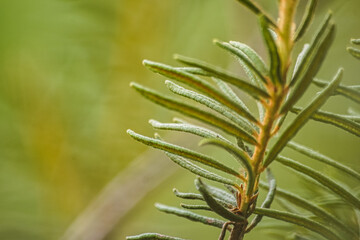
65, 102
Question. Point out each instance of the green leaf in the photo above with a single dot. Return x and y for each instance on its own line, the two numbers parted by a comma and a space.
306, 20
246, 132
198, 170
189, 128
355, 41
346, 91
190, 215
353, 51
311, 207
257, 10
152, 236
302, 118
275, 62
322, 158
226, 89
243, 57
300, 58
322, 179
183, 152
267, 202
311, 63
199, 84
334, 119
298, 220
214, 205
195, 207
188, 110
239, 154
196, 196
252, 56
221, 194
218, 72
194, 70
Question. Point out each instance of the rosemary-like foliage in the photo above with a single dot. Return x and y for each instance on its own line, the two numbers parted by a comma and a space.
276, 91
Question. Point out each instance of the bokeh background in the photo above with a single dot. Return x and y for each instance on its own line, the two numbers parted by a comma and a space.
65, 103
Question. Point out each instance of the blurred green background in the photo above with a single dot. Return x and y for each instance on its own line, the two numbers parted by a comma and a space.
65, 104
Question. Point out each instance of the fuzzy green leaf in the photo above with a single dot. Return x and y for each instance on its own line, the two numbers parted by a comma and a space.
322, 179
152, 236
252, 6
183, 152
195, 196
246, 132
275, 62
302, 118
298, 220
198, 170
243, 57
333, 119
199, 84
306, 20
322, 158
311, 207
214, 205
226, 89
222, 195
268, 200
353, 51
195, 207
180, 106
186, 127
346, 91
190, 215
355, 41
252, 56
311, 63
224, 75
239, 154
194, 70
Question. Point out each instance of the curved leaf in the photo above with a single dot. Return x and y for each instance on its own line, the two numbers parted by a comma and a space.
302, 118
322, 158
218, 72
180, 106
199, 84
298, 220
190, 215
322, 179
183, 152
214, 205
152, 236
195, 207
306, 20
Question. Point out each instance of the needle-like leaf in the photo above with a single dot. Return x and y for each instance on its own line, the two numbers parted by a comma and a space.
198, 170
252, 6
190, 215
275, 62
239, 154
218, 72
188, 110
195, 207
199, 84
322, 158
183, 152
221, 194
268, 200
243, 57
322, 179
298, 220
354, 51
246, 132
311, 63
333, 119
152, 236
346, 91
196, 196
214, 205
302, 118
311, 207
306, 20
